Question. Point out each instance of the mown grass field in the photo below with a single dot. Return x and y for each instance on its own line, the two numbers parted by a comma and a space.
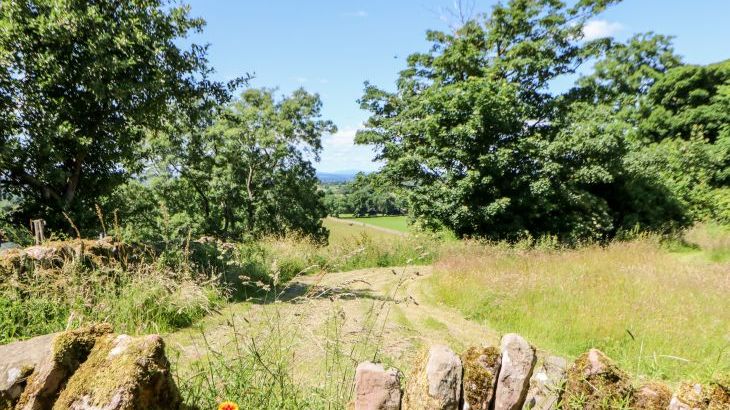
342, 232
396, 223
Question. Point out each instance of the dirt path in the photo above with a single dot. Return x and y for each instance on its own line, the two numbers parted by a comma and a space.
383, 313
367, 225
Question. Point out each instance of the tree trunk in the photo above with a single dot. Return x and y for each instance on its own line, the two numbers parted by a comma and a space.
72, 184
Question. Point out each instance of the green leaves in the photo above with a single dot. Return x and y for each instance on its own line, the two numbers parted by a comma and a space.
470, 132
81, 83
250, 173
481, 145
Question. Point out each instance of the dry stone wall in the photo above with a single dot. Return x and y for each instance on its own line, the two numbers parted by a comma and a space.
512, 377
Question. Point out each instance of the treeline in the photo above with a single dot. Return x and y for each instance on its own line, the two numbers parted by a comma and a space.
487, 147
365, 195
106, 123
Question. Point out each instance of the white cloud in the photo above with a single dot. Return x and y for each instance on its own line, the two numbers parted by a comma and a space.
359, 13
301, 80
596, 29
342, 138
339, 153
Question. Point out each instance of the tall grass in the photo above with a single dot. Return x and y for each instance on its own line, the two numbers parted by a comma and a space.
143, 298
270, 361
291, 256
658, 313
157, 291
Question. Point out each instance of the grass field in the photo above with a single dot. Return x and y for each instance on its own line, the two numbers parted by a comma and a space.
660, 313
396, 223
343, 232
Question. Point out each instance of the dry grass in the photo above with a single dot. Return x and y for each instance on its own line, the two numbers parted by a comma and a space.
658, 313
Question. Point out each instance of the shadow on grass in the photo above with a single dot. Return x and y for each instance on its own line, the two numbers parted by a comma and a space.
298, 292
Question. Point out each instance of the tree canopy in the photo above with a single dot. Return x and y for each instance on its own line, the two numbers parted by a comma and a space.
248, 174
487, 148
81, 84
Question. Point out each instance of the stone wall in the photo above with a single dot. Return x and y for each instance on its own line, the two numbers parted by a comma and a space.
513, 377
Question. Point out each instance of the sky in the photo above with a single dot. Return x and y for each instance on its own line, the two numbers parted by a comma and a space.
332, 47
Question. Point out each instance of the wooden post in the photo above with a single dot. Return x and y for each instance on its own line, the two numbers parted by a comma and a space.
36, 226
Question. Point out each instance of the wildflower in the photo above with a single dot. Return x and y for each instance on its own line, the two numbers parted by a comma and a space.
228, 405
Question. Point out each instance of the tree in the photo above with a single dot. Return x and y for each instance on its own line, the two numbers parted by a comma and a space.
472, 129
81, 84
627, 71
250, 173
688, 100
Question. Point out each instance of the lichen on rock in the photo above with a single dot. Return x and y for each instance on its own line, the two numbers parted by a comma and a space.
546, 384
720, 394
122, 372
481, 367
68, 351
17, 362
690, 396
651, 396
595, 382
435, 382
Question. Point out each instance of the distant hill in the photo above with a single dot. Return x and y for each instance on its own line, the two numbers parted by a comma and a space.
336, 177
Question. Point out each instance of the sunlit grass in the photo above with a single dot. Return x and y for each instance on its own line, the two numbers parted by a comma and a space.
657, 312
396, 223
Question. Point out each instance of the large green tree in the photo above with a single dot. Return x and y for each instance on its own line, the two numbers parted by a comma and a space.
250, 173
676, 129
81, 84
475, 133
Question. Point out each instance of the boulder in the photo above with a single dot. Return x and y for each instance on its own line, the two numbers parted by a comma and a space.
436, 382
518, 359
594, 382
17, 362
481, 367
377, 388
68, 350
122, 372
546, 384
651, 396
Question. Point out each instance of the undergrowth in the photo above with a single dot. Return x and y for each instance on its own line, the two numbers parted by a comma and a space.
159, 290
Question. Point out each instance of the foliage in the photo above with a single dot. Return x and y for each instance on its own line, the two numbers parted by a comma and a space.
367, 194
249, 174
626, 71
482, 146
471, 130
687, 101
9, 231
80, 85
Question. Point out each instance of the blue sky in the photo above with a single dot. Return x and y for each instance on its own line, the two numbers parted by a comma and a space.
331, 47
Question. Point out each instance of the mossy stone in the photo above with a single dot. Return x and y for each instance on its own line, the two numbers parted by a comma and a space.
651, 396
68, 351
481, 367
720, 394
595, 382
123, 372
